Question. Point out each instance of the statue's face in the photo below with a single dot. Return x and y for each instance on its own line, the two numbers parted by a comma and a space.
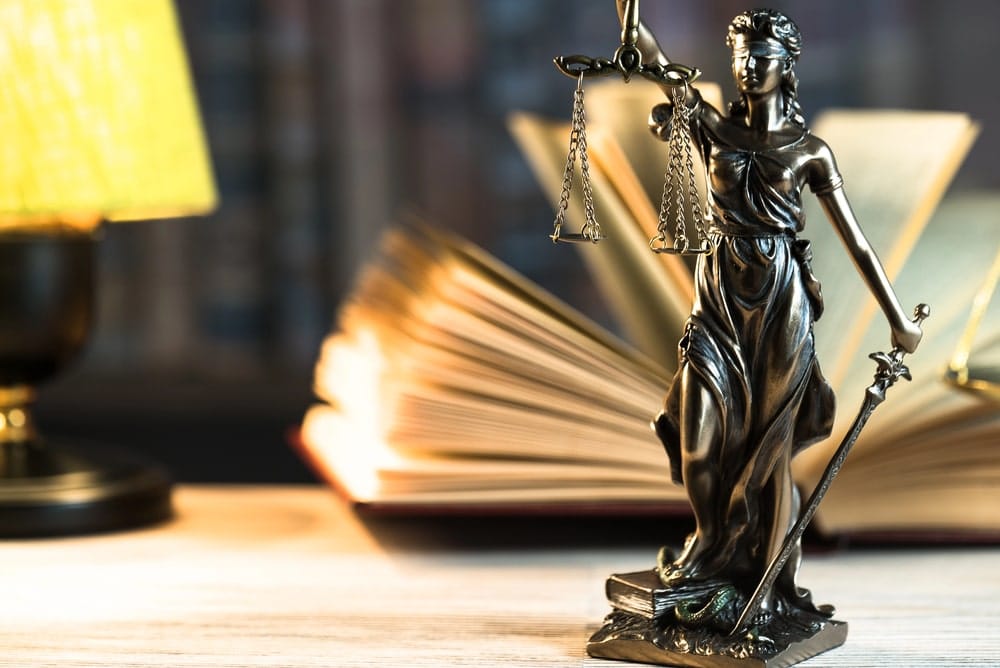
758, 65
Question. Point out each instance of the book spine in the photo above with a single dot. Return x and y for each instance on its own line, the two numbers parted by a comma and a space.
625, 594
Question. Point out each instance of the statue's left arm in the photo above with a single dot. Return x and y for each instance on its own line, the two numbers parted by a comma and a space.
826, 183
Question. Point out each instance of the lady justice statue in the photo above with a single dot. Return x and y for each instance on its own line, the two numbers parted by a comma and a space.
749, 393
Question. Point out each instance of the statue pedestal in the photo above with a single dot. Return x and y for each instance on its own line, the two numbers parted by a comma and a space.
648, 631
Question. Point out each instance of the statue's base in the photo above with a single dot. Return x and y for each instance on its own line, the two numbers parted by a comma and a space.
648, 632
627, 637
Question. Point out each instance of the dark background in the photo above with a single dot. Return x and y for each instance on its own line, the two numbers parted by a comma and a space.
325, 119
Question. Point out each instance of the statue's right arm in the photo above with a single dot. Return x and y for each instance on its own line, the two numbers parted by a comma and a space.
648, 46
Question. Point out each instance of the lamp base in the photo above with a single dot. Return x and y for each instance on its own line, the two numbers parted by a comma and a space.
54, 489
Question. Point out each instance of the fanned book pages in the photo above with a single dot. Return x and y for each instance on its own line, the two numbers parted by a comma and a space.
453, 380
453, 383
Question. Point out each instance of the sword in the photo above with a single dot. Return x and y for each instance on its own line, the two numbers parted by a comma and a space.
890, 369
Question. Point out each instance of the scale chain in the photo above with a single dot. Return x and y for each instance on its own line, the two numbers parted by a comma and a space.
673, 191
577, 146
678, 142
567, 183
696, 211
678, 182
590, 229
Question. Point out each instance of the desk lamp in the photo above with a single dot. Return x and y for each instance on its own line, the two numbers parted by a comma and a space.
98, 122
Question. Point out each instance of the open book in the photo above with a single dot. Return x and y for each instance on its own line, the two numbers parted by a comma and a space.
454, 383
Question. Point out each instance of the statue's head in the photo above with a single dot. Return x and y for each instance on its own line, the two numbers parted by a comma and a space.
766, 45
766, 26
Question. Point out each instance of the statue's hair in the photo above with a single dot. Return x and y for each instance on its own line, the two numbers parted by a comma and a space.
769, 23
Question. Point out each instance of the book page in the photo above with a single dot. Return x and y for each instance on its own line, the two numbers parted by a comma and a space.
634, 163
633, 282
650, 294
928, 437
621, 112
938, 478
946, 270
453, 380
896, 166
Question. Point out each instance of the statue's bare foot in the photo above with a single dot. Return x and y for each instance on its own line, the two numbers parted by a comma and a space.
690, 566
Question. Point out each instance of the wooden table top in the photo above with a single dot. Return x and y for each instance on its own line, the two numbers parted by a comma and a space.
289, 576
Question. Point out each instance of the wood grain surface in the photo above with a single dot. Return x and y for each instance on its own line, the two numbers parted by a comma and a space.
288, 576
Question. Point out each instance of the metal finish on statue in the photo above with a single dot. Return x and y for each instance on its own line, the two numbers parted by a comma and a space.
748, 394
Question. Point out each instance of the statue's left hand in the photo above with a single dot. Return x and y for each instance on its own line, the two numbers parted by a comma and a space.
907, 335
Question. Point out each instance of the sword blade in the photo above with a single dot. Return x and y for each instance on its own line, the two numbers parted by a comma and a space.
890, 369
791, 540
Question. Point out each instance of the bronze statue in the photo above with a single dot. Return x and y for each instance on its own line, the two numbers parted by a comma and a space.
748, 394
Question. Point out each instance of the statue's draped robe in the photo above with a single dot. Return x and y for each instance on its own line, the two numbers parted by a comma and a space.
749, 339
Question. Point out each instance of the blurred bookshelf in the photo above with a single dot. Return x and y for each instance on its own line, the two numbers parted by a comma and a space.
328, 118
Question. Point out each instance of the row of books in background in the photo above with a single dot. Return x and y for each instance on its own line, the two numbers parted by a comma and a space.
318, 139
453, 383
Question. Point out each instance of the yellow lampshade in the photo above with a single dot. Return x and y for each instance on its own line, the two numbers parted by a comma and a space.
98, 118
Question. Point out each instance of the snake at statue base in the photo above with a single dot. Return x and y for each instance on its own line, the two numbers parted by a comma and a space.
692, 613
